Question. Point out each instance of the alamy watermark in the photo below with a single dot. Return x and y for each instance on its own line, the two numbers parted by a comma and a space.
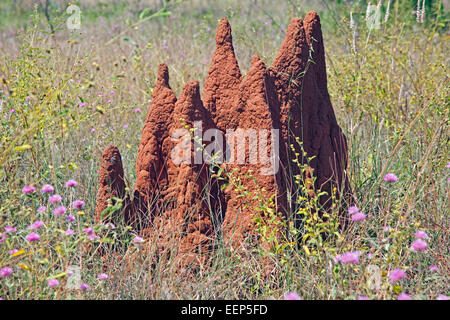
262, 146
373, 277
74, 277
74, 20
373, 16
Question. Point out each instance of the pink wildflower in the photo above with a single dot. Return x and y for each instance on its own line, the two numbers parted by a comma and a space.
41, 209
33, 236
10, 229
433, 268
348, 257
102, 276
390, 177
28, 189
71, 183
443, 297
419, 245
358, 216
47, 188
353, 210
421, 235
6, 271
36, 225
78, 204
52, 283
396, 275
84, 287
69, 232
292, 296
56, 198
59, 211
403, 296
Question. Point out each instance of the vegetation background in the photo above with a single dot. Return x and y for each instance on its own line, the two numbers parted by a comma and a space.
67, 94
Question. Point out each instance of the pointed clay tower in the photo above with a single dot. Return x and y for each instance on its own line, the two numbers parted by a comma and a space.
306, 110
253, 110
186, 225
332, 167
223, 78
151, 171
180, 199
287, 73
111, 182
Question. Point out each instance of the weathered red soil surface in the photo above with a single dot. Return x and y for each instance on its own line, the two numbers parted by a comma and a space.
252, 110
151, 163
306, 110
111, 182
180, 205
332, 153
224, 77
186, 221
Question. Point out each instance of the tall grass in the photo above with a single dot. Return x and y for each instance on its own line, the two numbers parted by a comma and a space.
65, 96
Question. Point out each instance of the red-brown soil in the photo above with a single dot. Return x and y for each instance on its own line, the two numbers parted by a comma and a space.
224, 77
182, 205
252, 110
111, 182
151, 163
187, 221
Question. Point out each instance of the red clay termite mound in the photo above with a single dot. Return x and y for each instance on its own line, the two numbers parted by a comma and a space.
151, 170
111, 182
332, 155
253, 117
224, 77
287, 74
307, 118
186, 225
285, 109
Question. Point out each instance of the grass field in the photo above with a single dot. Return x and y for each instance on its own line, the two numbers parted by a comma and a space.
66, 95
